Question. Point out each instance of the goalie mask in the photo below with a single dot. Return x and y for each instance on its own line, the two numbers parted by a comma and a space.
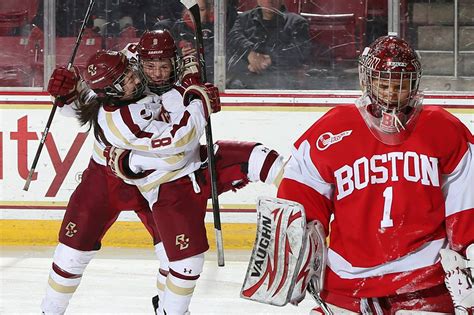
158, 57
389, 73
111, 75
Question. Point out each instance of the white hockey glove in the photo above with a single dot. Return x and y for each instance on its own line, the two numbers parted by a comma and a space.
117, 161
207, 93
459, 278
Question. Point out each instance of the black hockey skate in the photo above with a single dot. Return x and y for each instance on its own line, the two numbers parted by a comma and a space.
154, 301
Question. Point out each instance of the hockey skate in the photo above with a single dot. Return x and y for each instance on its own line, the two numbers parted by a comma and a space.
154, 301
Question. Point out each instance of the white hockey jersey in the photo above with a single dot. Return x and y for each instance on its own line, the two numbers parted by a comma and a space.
170, 148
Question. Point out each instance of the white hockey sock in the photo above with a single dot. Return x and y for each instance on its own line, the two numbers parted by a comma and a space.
265, 165
64, 278
162, 273
180, 284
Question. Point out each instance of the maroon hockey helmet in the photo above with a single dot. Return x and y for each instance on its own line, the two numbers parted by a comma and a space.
390, 73
106, 71
159, 45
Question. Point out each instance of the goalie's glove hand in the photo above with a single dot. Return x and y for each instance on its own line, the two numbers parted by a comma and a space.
459, 278
117, 161
63, 85
207, 93
190, 73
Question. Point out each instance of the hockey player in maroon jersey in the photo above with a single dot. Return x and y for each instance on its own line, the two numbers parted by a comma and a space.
100, 197
391, 180
167, 162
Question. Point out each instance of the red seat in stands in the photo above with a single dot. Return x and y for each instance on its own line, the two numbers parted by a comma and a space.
15, 70
14, 14
89, 45
338, 26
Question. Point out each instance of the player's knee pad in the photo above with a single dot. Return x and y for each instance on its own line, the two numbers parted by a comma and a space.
65, 276
265, 165
70, 260
180, 284
183, 275
188, 267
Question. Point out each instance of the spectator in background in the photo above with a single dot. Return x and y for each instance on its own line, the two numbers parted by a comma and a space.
159, 14
183, 31
112, 17
267, 48
69, 17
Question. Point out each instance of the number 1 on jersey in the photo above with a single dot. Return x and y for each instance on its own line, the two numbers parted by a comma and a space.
387, 208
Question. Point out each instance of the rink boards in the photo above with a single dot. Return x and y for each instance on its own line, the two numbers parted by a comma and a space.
33, 217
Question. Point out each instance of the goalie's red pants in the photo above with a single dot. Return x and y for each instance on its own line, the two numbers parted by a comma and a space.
95, 205
434, 299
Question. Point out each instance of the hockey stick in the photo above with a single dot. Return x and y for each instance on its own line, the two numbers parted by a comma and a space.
193, 7
55, 105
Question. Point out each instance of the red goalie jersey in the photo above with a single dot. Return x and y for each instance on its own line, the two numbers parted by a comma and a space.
389, 208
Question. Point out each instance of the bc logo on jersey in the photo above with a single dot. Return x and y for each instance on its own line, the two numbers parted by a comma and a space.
92, 69
71, 229
327, 139
182, 241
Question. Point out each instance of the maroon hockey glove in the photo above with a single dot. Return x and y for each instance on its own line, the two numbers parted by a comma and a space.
207, 93
190, 71
62, 85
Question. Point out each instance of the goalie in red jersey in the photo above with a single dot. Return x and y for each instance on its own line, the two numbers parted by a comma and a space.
392, 182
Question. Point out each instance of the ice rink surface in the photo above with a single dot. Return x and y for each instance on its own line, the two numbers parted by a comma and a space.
122, 281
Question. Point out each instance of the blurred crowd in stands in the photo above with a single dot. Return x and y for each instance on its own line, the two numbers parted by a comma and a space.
270, 44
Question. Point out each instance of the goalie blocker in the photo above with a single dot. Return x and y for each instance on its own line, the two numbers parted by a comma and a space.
289, 255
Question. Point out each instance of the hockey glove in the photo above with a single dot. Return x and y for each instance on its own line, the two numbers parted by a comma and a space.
207, 93
63, 85
459, 278
117, 161
190, 71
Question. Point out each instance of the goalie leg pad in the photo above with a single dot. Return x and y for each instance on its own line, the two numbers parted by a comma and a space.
279, 253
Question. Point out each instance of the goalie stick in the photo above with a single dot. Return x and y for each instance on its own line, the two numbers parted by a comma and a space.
193, 7
55, 105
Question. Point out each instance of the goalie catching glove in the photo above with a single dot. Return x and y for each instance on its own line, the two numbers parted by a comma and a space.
207, 93
288, 255
62, 85
459, 278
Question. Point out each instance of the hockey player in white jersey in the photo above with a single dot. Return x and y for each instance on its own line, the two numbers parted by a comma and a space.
168, 164
100, 197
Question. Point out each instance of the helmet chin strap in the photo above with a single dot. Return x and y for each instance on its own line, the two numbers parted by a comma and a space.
390, 120
398, 122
